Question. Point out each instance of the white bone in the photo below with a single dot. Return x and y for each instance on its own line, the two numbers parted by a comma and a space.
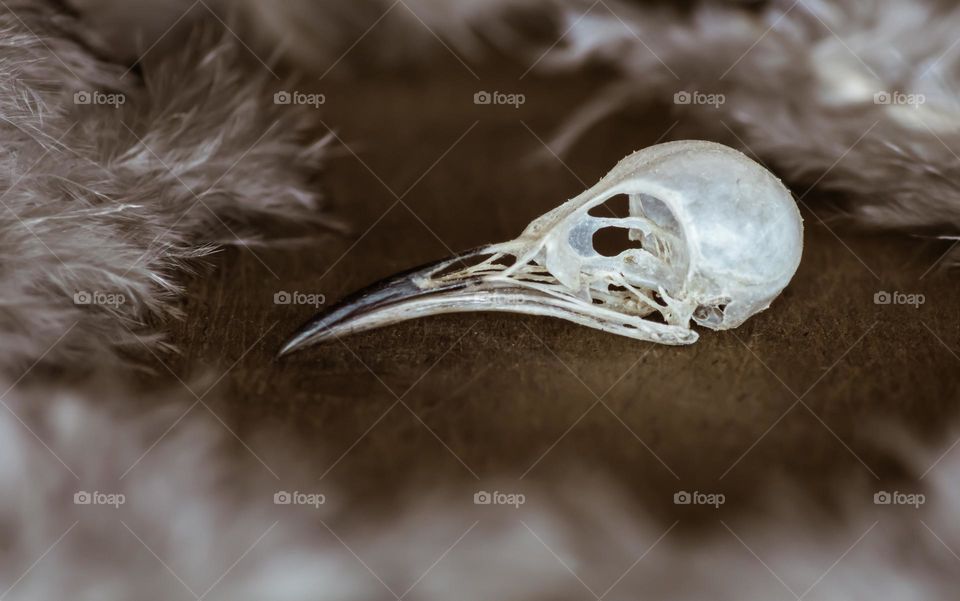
718, 237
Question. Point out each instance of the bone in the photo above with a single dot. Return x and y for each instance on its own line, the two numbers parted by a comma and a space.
711, 238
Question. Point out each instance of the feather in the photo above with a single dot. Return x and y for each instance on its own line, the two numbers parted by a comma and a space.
114, 184
142, 509
844, 96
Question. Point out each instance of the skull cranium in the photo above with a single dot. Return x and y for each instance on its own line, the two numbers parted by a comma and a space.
713, 237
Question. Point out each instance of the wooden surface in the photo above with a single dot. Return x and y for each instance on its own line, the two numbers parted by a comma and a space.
808, 391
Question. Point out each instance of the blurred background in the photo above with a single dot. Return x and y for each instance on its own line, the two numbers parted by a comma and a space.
546, 460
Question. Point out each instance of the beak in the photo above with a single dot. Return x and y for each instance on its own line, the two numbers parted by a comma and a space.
428, 290
408, 295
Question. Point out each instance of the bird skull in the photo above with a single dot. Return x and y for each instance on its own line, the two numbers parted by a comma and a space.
712, 237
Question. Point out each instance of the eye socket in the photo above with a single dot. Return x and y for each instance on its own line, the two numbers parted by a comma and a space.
611, 241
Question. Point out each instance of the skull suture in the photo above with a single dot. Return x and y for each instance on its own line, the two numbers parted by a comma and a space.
715, 238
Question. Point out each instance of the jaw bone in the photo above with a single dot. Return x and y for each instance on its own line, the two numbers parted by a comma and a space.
715, 238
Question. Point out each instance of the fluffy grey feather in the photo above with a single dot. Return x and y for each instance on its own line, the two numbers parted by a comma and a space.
313, 34
850, 96
856, 97
197, 517
113, 184
844, 95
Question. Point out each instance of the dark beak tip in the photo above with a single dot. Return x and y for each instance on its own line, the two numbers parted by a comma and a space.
297, 342
288, 348
340, 319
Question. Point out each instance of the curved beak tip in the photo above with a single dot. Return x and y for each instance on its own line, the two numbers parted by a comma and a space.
288, 347
300, 340
370, 307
